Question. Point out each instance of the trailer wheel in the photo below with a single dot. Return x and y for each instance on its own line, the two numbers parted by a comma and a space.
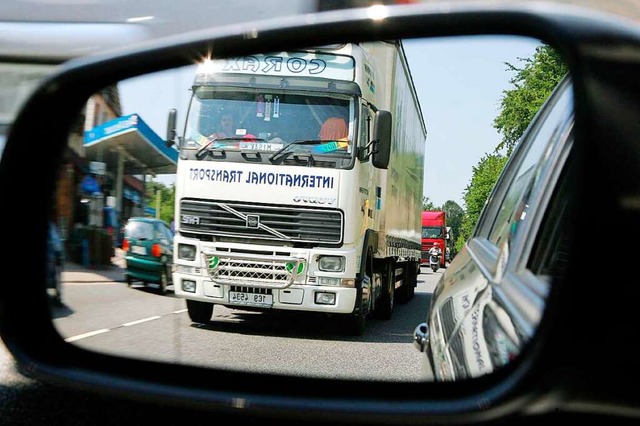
413, 280
199, 311
409, 280
384, 308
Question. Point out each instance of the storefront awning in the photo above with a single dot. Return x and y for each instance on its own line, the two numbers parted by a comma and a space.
144, 152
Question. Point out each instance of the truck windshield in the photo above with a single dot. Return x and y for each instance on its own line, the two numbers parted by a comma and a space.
432, 232
268, 121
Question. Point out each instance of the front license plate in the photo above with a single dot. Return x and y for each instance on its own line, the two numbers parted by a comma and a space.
139, 250
251, 299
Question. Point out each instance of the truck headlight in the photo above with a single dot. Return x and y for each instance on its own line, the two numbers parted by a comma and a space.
186, 252
331, 263
189, 286
325, 298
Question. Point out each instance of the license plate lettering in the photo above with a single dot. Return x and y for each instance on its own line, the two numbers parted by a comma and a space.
250, 299
259, 298
239, 297
139, 250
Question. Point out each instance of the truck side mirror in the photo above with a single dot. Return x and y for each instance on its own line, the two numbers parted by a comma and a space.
381, 139
171, 127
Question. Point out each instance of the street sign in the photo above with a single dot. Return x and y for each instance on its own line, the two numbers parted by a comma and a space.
98, 168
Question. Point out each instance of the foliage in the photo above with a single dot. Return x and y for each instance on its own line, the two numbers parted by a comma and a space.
455, 215
428, 204
533, 83
483, 179
531, 86
166, 195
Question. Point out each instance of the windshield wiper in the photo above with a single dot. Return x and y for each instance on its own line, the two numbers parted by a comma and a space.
207, 148
286, 150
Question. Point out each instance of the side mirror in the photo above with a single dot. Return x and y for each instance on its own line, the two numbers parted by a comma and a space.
382, 139
171, 127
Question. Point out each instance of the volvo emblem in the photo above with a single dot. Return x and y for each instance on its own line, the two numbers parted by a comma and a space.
253, 221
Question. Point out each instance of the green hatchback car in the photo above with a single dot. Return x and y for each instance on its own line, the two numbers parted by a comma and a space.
148, 247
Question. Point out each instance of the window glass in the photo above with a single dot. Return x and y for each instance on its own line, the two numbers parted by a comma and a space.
365, 120
514, 205
432, 232
168, 233
139, 230
550, 254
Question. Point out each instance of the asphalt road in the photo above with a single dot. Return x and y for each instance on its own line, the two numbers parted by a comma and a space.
285, 344
102, 313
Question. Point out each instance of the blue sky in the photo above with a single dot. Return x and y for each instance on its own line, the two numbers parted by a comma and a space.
459, 81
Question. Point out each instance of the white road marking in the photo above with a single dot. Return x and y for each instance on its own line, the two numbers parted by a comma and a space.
127, 324
89, 334
105, 330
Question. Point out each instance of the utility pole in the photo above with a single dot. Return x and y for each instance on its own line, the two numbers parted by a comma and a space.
158, 204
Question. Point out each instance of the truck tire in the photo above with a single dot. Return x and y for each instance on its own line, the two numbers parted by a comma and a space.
357, 321
413, 279
356, 324
409, 279
384, 307
199, 312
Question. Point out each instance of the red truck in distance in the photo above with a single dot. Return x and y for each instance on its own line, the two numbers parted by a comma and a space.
434, 229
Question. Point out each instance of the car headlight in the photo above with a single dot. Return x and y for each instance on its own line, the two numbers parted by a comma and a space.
186, 251
331, 263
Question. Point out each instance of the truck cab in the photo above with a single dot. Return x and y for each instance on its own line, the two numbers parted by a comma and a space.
434, 229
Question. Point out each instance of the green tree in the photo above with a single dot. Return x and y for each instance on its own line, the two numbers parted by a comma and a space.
427, 204
532, 85
455, 215
167, 195
485, 174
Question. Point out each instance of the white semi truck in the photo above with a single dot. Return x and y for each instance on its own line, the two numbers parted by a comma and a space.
313, 201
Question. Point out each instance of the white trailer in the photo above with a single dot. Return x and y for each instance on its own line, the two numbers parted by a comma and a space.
314, 202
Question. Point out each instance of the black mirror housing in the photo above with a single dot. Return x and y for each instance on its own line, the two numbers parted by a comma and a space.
604, 100
382, 139
171, 127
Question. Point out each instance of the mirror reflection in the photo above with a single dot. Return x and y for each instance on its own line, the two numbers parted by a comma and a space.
266, 213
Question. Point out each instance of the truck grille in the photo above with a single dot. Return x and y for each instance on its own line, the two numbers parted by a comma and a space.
268, 270
267, 222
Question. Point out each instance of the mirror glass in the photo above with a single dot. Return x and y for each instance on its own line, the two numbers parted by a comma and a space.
292, 194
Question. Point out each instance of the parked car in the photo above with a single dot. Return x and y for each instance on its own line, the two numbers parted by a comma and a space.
148, 248
488, 304
577, 363
55, 263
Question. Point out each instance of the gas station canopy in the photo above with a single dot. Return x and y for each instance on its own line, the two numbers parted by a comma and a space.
130, 139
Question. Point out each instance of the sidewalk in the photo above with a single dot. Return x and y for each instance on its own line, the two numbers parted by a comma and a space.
74, 272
